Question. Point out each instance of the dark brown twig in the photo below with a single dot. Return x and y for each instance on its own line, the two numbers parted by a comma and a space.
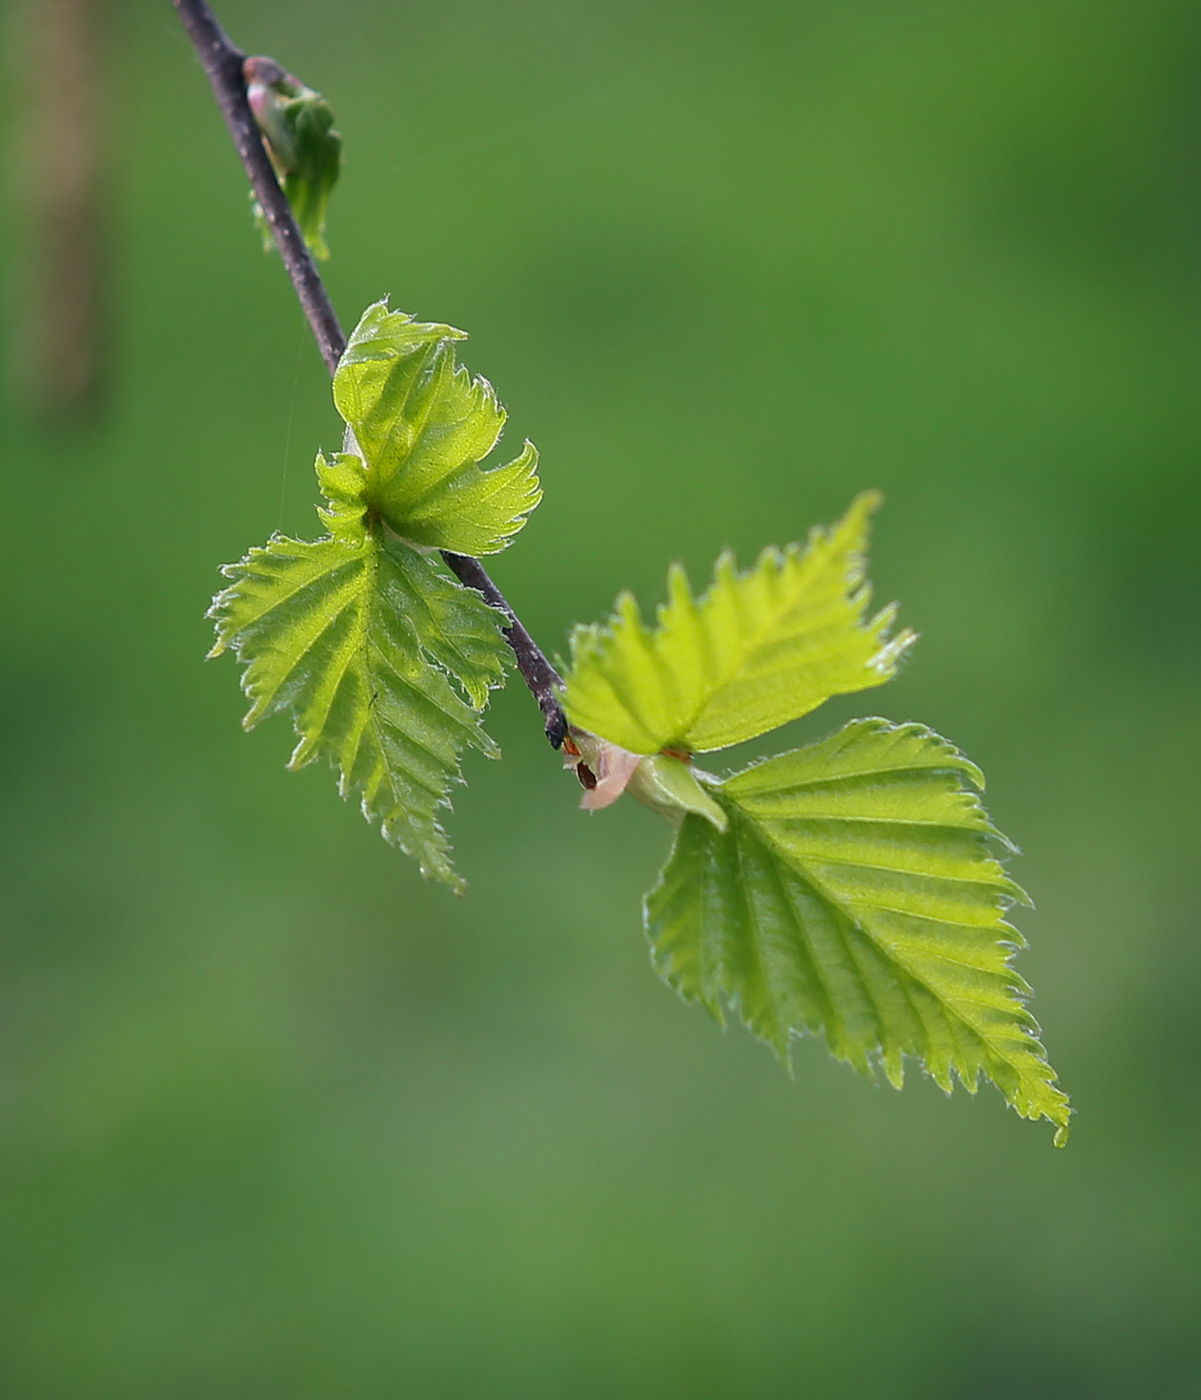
224, 62
537, 672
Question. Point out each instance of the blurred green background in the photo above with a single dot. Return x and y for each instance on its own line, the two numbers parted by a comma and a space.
278, 1119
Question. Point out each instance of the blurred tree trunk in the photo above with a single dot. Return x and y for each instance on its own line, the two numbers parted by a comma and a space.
60, 354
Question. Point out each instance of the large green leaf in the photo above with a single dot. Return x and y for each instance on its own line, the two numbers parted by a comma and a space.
423, 424
854, 892
358, 635
759, 649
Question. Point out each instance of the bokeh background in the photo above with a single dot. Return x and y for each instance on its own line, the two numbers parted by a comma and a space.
278, 1119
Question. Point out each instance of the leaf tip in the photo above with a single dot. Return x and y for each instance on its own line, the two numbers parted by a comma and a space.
865, 505
1060, 1115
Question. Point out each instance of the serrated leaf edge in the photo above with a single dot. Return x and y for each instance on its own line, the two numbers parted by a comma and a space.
1009, 894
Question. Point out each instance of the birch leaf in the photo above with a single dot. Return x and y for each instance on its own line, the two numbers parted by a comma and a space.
422, 425
757, 650
382, 661
855, 893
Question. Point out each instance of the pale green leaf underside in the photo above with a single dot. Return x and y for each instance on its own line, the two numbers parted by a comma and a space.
356, 635
854, 893
423, 424
757, 650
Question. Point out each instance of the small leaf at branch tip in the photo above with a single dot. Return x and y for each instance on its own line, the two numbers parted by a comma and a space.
297, 127
423, 425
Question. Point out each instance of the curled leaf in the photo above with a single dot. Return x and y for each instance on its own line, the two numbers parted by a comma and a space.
422, 425
297, 126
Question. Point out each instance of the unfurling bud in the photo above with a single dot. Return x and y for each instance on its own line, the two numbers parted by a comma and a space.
297, 127
664, 782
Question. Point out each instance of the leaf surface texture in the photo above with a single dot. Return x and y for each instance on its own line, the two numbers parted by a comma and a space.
757, 650
423, 424
382, 661
855, 893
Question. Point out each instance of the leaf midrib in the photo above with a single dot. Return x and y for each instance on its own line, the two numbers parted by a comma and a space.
950, 767
753, 642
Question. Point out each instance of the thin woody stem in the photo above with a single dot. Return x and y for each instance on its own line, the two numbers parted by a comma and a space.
537, 672
223, 61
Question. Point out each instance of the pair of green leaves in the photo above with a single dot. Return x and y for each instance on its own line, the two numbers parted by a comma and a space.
849, 887
383, 660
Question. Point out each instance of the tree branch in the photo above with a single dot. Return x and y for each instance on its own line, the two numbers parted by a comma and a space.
224, 62
537, 672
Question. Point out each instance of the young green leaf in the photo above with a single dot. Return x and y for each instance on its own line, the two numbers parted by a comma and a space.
759, 649
423, 425
854, 892
357, 635
297, 126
